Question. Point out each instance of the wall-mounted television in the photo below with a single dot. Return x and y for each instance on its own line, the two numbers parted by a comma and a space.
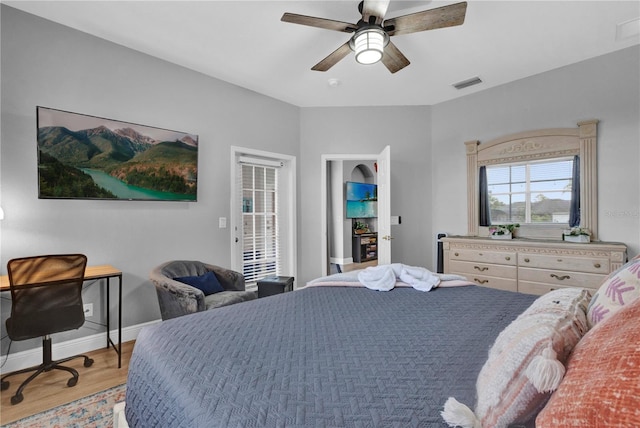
88, 157
362, 200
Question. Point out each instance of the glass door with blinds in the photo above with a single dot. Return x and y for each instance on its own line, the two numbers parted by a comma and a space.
259, 234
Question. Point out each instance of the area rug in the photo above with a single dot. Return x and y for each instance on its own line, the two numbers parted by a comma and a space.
94, 411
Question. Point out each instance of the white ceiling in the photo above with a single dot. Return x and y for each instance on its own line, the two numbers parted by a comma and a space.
245, 43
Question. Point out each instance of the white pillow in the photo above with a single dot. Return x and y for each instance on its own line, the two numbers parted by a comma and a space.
526, 362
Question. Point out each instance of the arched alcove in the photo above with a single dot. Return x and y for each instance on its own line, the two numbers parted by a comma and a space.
362, 173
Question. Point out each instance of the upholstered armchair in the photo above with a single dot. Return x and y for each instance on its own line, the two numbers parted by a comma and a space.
177, 298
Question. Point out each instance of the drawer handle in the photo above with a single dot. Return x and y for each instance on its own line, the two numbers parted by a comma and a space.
559, 260
481, 269
481, 281
507, 258
526, 260
480, 254
597, 266
456, 254
561, 278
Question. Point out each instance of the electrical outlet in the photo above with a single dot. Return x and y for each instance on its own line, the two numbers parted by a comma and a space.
88, 309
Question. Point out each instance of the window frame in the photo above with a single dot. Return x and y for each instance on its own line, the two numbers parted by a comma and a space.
539, 144
527, 192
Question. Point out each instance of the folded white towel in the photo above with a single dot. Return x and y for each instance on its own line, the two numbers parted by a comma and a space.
384, 277
419, 278
379, 278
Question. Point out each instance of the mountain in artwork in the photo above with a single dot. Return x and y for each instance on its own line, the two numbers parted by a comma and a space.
125, 154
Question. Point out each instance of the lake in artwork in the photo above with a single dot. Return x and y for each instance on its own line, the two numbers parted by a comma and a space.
88, 157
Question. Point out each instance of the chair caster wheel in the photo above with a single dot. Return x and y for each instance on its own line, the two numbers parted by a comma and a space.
72, 382
88, 362
5, 385
16, 399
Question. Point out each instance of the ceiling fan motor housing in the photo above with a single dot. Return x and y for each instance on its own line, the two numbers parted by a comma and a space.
368, 43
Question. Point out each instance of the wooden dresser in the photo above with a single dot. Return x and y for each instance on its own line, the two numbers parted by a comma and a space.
532, 266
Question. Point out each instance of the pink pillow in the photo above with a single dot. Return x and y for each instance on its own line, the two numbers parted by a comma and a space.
601, 387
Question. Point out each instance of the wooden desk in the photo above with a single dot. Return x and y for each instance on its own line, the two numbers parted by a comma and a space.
94, 273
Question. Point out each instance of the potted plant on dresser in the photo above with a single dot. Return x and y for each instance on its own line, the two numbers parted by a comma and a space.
577, 234
503, 231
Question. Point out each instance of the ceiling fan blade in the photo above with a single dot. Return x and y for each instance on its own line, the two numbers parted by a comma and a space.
311, 21
441, 17
393, 59
376, 9
333, 58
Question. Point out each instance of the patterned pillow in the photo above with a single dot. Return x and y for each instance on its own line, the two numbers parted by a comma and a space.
525, 362
602, 385
619, 289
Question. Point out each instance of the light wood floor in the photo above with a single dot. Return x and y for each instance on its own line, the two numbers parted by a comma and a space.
50, 389
354, 266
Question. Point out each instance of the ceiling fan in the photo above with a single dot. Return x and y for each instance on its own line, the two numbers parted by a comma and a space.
370, 40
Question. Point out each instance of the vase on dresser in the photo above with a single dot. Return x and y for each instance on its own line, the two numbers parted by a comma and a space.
503, 236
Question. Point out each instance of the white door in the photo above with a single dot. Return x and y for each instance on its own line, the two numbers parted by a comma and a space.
384, 203
384, 207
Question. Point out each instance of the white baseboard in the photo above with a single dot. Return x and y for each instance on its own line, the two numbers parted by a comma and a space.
33, 357
341, 261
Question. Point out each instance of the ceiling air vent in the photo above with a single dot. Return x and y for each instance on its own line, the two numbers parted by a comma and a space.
466, 83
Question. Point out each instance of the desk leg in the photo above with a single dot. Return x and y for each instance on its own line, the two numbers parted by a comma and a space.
119, 321
108, 309
118, 348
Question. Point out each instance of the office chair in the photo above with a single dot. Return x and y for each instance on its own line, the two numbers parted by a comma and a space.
46, 298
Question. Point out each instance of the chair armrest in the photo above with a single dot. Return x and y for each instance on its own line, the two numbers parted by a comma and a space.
229, 279
176, 298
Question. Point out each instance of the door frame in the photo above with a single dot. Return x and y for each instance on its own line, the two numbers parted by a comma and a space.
383, 209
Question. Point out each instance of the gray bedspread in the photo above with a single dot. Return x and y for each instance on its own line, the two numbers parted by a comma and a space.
318, 357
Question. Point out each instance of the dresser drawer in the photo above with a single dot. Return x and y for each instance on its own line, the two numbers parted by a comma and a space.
486, 269
497, 283
539, 289
561, 278
506, 284
499, 257
591, 265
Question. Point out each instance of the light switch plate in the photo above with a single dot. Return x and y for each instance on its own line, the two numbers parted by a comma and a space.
222, 222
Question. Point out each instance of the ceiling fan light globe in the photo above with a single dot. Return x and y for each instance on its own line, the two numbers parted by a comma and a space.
369, 45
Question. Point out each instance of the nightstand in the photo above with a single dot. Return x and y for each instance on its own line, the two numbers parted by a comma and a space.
274, 285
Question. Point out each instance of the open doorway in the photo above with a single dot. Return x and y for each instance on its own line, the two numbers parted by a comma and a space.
358, 238
352, 226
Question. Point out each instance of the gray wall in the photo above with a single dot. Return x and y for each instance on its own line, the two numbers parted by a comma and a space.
341, 131
49, 65
605, 88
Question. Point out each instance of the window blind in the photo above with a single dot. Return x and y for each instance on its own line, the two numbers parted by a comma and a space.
534, 192
258, 184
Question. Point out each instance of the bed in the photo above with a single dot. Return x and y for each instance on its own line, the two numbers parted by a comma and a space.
336, 354
322, 356
332, 354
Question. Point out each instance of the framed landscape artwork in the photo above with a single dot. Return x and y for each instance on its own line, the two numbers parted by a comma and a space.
88, 157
